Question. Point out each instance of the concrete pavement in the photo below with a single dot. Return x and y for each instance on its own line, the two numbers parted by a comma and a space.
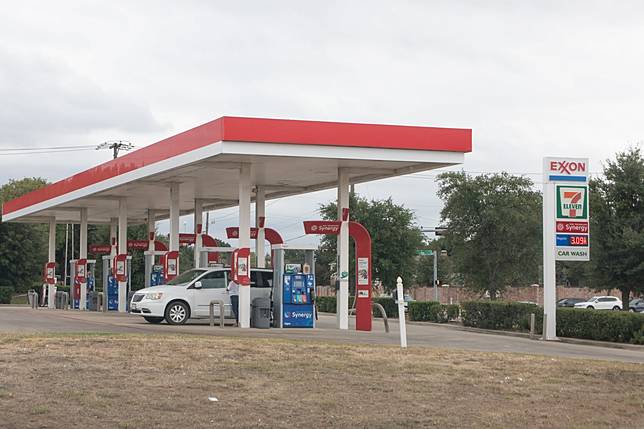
19, 319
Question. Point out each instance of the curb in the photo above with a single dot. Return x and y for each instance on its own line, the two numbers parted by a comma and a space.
623, 346
567, 340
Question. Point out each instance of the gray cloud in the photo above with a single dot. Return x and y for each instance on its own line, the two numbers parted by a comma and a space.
45, 100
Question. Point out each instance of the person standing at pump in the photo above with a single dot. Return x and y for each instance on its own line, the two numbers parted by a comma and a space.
233, 291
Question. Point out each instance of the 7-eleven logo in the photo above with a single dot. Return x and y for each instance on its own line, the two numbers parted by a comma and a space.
572, 202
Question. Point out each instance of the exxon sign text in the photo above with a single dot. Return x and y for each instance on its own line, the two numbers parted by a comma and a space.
565, 169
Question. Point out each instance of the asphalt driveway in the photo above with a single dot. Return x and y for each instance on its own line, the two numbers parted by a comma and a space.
19, 319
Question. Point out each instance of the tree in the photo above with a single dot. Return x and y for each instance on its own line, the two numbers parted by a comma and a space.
23, 247
394, 240
493, 229
617, 225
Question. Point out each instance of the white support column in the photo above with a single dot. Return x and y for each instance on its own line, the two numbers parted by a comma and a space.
174, 216
51, 289
260, 212
343, 252
244, 239
549, 272
151, 228
113, 237
122, 250
149, 258
198, 222
83, 255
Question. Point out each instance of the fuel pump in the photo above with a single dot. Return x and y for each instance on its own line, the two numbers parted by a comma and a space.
110, 279
293, 289
171, 265
49, 281
211, 256
82, 273
155, 272
240, 266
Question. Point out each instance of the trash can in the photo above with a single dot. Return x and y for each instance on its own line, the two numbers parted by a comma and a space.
92, 301
61, 300
261, 315
32, 298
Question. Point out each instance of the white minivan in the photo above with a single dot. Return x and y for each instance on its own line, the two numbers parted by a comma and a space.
188, 295
601, 303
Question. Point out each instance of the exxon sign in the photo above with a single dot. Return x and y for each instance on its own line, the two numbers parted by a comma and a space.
565, 170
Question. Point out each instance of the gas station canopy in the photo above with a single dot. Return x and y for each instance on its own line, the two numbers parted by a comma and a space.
286, 157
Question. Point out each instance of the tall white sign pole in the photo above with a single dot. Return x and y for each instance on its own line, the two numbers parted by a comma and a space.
549, 280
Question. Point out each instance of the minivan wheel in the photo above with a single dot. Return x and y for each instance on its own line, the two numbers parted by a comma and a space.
176, 313
616, 308
590, 307
154, 320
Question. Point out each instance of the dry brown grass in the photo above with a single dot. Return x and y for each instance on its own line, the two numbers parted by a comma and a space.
153, 381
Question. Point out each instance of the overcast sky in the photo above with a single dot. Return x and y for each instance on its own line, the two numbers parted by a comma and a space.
531, 79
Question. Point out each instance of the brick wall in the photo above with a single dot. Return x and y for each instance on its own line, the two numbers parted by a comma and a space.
455, 295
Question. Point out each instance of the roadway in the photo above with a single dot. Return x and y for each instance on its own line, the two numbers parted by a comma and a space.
24, 320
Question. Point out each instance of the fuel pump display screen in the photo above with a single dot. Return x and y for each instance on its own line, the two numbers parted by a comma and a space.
298, 282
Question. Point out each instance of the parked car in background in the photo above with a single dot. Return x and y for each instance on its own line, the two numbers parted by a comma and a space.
569, 302
601, 303
636, 305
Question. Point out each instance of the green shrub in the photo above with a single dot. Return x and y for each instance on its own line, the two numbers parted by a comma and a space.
432, 311
514, 316
390, 306
327, 304
5, 294
616, 326
453, 311
424, 310
324, 303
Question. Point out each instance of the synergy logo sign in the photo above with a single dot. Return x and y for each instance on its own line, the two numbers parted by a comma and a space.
572, 202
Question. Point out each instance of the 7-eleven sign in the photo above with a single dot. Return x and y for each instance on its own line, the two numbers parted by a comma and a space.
572, 202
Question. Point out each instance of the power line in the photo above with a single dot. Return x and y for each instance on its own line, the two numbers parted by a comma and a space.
33, 152
20, 149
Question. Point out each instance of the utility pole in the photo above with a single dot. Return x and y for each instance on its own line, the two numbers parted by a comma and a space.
66, 255
116, 146
435, 276
437, 231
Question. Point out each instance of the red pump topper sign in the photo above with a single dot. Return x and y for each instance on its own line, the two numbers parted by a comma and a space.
171, 264
240, 266
81, 270
50, 273
120, 267
362, 239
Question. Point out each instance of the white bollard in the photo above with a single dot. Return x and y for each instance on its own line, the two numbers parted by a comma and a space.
401, 314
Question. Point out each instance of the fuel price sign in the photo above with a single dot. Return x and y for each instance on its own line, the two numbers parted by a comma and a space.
571, 223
